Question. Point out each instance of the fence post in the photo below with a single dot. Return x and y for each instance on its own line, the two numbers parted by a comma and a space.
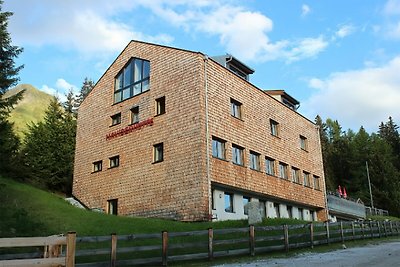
113, 250
379, 229
70, 253
384, 228
391, 227
341, 232
164, 248
252, 240
312, 234
362, 230
286, 236
372, 230
327, 233
353, 231
210, 244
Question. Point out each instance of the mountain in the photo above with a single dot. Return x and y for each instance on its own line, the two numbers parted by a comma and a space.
30, 109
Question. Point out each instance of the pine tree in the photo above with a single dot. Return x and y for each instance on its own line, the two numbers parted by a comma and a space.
9, 142
49, 149
87, 86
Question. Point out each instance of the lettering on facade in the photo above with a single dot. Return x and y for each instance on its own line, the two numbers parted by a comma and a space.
130, 128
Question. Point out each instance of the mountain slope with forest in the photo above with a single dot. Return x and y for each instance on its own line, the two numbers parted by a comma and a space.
30, 109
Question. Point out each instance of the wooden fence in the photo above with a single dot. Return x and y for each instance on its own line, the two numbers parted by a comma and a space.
162, 248
52, 251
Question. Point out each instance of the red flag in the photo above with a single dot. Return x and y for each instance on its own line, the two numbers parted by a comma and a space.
340, 191
344, 192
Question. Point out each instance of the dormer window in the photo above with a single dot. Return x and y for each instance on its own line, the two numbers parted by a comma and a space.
234, 65
132, 80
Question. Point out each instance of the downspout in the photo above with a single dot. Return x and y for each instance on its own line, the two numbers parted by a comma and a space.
207, 139
323, 174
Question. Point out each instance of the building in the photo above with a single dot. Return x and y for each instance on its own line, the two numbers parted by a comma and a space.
175, 134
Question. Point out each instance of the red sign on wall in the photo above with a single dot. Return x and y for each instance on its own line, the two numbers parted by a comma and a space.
129, 129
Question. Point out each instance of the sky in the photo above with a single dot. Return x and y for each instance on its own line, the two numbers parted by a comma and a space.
339, 58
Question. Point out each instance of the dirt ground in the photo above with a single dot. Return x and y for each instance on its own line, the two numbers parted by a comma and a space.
383, 254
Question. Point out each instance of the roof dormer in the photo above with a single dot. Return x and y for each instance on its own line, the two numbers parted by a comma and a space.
233, 64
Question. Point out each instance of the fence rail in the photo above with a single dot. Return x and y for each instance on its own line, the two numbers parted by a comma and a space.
162, 248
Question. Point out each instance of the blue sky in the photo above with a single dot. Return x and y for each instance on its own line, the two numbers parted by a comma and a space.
339, 58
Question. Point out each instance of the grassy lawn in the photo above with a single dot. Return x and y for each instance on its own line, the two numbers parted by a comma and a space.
29, 211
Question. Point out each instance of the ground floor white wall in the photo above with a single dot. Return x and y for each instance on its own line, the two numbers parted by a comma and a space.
270, 208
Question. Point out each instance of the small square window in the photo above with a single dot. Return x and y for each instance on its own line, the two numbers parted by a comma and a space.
160, 105
274, 127
317, 183
237, 155
116, 119
270, 166
114, 162
158, 152
134, 115
218, 148
228, 202
283, 170
236, 109
295, 175
254, 161
97, 166
306, 179
303, 143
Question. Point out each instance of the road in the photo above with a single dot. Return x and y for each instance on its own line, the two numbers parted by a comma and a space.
378, 255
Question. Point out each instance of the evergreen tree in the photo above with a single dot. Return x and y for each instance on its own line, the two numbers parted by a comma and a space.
8, 77
87, 86
49, 149
70, 105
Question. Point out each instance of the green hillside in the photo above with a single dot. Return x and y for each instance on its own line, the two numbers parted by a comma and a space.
30, 109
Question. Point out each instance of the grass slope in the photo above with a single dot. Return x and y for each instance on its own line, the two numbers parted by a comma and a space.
30, 109
29, 211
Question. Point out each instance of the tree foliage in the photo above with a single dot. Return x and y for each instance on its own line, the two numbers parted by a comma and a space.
345, 155
9, 142
49, 147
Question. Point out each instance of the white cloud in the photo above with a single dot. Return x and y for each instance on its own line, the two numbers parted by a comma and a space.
60, 89
358, 97
305, 10
392, 7
87, 26
306, 48
393, 31
345, 30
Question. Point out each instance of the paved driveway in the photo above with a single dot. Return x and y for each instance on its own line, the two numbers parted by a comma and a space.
379, 255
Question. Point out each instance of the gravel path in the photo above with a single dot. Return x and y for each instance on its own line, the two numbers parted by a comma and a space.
384, 254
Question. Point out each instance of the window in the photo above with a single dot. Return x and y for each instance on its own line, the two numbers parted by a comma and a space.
283, 170
236, 109
132, 80
301, 217
160, 105
116, 119
276, 207
228, 202
158, 153
303, 143
295, 175
270, 166
245, 201
289, 211
218, 148
274, 127
237, 155
262, 208
134, 115
97, 166
254, 161
316, 183
114, 162
113, 206
306, 178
